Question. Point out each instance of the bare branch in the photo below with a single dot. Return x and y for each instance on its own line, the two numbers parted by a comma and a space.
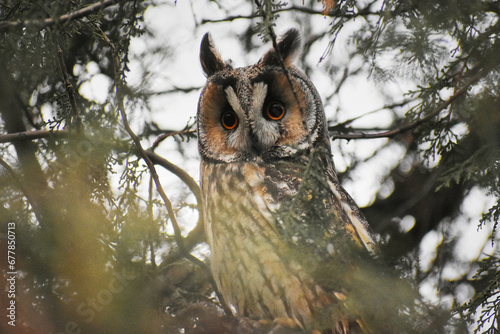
363, 12
344, 124
181, 173
4, 26
168, 134
31, 135
175, 89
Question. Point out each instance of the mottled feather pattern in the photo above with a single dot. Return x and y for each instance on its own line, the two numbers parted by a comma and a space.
275, 210
247, 254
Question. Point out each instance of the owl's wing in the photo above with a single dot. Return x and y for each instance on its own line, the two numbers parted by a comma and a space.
284, 193
347, 209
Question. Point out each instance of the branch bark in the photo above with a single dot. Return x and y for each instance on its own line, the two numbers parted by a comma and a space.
31, 135
4, 26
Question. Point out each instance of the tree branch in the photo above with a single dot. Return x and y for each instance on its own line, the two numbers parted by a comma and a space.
196, 235
181, 173
31, 135
162, 137
306, 10
344, 124
430, 115
4, 26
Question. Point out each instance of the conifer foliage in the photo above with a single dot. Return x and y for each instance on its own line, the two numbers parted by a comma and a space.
101, 248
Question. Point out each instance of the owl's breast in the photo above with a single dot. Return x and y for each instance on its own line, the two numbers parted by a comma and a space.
265, 187
252, 265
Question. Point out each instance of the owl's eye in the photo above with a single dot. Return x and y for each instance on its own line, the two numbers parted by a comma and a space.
229, 120
274, 111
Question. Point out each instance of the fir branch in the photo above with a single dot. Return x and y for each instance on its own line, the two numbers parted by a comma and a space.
142, 153
4, 26
392, 133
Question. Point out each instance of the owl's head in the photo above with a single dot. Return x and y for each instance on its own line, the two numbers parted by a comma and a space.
261, 112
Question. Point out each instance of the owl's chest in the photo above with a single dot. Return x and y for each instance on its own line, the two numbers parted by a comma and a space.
254, 268
247, 189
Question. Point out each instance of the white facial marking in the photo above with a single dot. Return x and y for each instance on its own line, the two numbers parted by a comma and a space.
267, 132
238, 138
232, 98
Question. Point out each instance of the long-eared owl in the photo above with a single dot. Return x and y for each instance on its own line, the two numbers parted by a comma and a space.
274, 208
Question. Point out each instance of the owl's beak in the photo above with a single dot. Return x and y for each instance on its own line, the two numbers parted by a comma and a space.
258, 146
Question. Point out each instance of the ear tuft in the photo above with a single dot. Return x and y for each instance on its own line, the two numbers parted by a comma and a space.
210, 59
289, 47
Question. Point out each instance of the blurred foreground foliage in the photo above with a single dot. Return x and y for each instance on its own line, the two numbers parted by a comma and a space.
94, 247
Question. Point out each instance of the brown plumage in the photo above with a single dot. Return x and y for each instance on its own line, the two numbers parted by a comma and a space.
262, 144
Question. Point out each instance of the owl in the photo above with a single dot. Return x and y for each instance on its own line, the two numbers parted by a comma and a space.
275, 213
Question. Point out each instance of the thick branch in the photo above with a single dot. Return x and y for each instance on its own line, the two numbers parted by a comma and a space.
61, 19
20, 184
181, 173
33, 174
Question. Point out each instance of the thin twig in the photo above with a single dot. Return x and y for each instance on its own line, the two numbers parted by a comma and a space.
343, 125
170, 134
363, 12
61, 19
270, 29
433, 113
69, 88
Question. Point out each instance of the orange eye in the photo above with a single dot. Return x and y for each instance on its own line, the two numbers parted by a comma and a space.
275, 111
229, 120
